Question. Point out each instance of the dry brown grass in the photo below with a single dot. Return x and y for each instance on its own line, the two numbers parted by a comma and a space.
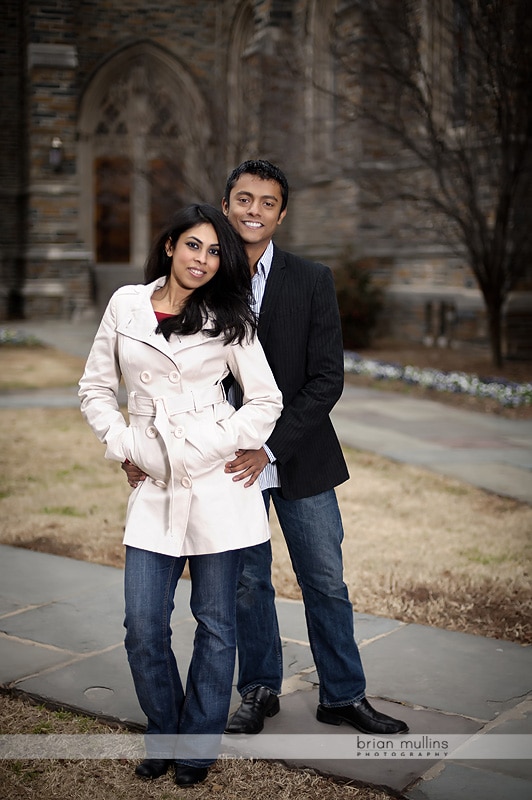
424, 548
37, 368
418, 547
115, 780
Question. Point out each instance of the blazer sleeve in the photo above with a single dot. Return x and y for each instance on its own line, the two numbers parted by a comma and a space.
310, 405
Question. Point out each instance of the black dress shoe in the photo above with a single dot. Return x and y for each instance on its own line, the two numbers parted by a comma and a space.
254, 708
152, 768
361, 716
188, 776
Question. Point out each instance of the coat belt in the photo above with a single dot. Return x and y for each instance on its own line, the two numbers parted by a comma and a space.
191, 400
162, 408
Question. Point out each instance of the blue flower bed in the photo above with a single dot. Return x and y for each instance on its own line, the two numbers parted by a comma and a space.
506, 393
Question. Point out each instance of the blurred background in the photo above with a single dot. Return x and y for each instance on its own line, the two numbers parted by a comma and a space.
404, 127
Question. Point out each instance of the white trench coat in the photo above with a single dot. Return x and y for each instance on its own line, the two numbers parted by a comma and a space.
181, 429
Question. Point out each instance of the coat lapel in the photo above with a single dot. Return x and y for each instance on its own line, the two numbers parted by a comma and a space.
273, 289
140, 324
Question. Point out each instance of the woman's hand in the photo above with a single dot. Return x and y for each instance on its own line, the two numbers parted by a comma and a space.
133, 473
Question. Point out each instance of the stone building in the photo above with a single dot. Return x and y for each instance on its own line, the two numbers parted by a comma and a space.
115, 113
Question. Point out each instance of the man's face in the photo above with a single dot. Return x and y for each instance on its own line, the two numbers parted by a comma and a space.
254, 209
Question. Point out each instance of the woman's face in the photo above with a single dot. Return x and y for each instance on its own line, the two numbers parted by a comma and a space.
195, 257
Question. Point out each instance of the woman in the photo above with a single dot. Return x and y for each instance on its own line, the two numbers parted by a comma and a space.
173, 341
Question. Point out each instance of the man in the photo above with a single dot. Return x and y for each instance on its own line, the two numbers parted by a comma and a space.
298, 468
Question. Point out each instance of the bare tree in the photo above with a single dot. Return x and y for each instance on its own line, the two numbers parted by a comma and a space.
448, 85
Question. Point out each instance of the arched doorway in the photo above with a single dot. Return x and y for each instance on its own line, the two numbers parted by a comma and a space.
144, 136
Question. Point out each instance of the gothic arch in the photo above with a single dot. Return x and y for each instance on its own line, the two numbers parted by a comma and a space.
330, 85
143, 137
319, 82
242, 87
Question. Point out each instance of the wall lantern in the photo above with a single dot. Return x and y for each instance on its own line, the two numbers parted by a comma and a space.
55, 155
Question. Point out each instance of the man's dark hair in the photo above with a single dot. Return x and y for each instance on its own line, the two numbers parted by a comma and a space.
262, 169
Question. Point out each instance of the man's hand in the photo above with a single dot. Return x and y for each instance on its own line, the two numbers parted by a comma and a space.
133, 473
249, 464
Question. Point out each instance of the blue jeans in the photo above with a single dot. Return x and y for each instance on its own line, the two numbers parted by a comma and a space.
313, 531
197, 713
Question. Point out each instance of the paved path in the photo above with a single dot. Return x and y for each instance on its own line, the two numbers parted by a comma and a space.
61, 636
484, 450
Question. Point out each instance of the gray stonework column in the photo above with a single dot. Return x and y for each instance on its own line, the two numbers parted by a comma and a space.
139, 116
56, 262
12, 160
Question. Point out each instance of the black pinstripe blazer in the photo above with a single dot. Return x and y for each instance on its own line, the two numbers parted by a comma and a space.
299, 328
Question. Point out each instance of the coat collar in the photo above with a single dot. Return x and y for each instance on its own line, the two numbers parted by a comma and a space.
140, 322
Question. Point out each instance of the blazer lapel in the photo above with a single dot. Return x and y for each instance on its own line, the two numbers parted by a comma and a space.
273, 289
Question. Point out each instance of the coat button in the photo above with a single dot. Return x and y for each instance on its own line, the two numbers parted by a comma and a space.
186, 483
160, 484
179, 432
145, 376
151, 432
174, 377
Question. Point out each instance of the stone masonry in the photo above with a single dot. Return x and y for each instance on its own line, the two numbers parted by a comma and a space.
115, 112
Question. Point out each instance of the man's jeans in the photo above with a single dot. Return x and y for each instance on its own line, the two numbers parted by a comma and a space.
313, 531
202, 707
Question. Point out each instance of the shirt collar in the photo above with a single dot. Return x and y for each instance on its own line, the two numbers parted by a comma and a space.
265, 261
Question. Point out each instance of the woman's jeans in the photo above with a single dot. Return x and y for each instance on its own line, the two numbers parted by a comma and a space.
197, 712
313, 531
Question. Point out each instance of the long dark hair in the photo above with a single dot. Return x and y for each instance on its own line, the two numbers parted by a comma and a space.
224, 301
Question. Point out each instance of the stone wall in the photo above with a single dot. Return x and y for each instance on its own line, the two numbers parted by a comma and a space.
272, 99
12, 160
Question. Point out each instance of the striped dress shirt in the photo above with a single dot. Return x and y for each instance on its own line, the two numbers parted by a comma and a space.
269, 477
